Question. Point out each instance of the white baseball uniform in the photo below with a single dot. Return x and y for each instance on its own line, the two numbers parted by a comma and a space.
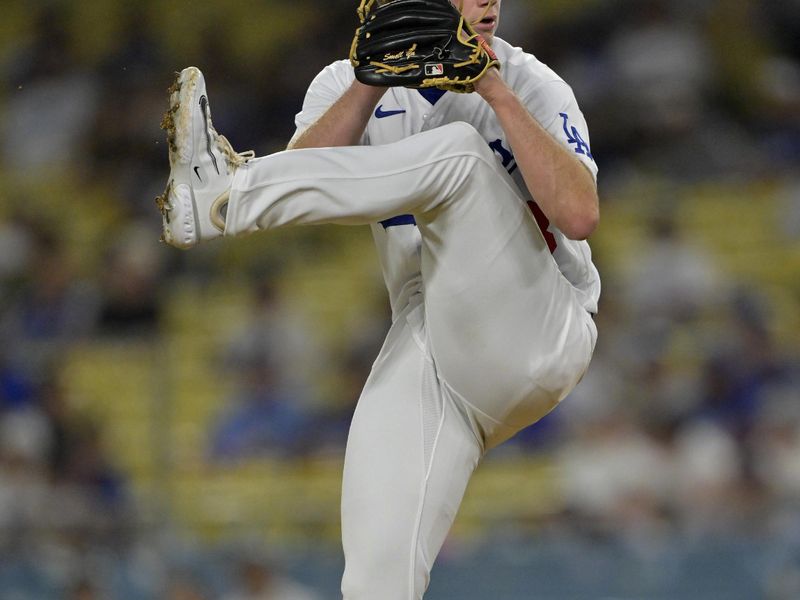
492, 318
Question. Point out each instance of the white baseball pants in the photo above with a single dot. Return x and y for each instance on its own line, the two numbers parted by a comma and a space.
495, 340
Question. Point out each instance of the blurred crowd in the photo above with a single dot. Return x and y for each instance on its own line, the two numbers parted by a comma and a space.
688, 422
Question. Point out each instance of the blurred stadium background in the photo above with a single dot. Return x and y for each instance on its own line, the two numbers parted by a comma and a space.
172, 424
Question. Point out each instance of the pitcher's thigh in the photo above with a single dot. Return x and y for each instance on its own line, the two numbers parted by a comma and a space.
495, 301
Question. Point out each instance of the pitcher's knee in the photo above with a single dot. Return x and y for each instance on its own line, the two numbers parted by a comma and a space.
468, 138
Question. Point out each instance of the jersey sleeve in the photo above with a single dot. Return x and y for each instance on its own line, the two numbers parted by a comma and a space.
554, 106
326, 88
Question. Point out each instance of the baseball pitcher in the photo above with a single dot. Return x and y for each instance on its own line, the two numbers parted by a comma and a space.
470, 161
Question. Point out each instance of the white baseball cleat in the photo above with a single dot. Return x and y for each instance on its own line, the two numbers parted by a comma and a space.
202, 163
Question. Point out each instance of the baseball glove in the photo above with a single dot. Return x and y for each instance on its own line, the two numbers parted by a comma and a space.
418, 44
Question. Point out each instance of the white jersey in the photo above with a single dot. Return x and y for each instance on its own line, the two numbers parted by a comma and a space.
403, 112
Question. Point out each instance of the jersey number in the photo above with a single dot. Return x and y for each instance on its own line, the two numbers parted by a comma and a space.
543, 222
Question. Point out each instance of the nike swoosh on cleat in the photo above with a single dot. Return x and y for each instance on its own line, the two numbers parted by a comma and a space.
197, 172
204, 108
382, 114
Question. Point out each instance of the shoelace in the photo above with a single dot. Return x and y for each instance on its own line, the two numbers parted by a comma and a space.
235, 159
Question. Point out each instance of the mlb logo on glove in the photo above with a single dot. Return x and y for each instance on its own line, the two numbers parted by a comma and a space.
434, 69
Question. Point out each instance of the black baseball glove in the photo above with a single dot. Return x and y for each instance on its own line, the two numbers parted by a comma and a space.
418, 44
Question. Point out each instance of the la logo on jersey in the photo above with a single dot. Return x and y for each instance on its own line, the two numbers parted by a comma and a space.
574, 137
431, 70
